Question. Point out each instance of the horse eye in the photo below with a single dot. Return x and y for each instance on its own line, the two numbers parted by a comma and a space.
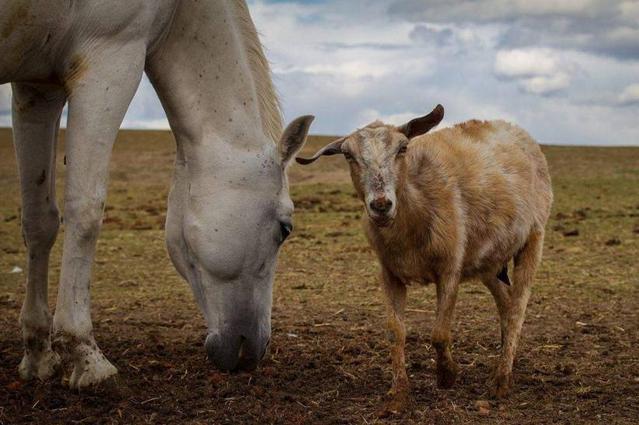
285, 228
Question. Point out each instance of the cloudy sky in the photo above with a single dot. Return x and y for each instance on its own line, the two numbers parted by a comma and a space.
566, 70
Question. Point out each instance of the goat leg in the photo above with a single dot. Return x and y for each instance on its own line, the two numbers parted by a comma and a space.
526, 262
447, 369
395, 294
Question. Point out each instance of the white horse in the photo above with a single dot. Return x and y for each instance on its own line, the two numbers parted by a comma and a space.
229, 208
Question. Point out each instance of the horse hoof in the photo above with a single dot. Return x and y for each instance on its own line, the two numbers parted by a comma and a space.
90, 368
41, 365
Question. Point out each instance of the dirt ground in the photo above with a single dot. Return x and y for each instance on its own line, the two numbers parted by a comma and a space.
329, 359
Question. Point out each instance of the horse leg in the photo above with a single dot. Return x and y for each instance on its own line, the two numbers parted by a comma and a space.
100, 92
526, 262
36, 120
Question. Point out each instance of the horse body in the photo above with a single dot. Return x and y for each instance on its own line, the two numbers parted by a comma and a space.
55, 40
229, 208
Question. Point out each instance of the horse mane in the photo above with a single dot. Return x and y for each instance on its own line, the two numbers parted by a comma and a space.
269, 104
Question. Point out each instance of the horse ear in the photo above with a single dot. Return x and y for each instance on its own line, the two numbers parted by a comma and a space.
294, 137
332, 148
422, 125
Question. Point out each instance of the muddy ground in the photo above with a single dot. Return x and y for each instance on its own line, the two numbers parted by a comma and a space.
578, 362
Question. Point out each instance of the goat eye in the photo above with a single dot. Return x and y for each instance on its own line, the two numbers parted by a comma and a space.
348, 156
285, 229
402, 150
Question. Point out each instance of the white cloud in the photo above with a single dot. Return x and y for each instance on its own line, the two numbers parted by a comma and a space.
630, 95
623, 35
526, 63
494, 10
161, 123
546, 84
369, 115
587, 25
350, 63
354, 69
5, 93
5, 103
539, 71
458, 39
630, 11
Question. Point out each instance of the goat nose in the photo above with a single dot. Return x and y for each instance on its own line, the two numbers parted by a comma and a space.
381, 205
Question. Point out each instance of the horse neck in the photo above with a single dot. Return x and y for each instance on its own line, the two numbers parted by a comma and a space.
214, 80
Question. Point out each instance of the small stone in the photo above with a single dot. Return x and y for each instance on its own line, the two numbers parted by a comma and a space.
268, 371
581, 214
483, 406
613, 242
14, 386
216, 378
568, 369
10, 218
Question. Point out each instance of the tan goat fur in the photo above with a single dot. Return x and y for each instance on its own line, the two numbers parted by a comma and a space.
468, 200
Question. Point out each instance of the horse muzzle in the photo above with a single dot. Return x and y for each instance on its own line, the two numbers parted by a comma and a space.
234, 352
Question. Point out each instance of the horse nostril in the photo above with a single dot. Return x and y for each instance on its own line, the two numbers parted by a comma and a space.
381, 205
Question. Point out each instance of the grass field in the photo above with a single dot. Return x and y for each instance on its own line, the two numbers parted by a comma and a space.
329, 362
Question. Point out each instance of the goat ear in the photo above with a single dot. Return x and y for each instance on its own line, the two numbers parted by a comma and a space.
294, 137
332, 148
422, 125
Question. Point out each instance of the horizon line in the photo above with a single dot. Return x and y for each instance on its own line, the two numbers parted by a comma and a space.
544, 143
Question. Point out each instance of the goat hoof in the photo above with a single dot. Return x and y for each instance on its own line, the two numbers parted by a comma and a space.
396, 405
447, 375
502, 384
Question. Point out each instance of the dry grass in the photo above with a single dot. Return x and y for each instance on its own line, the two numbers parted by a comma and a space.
579, 360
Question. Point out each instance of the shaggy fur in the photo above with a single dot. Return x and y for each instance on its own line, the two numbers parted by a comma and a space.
468, 200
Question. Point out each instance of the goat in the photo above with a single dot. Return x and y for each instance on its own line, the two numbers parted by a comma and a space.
446, 207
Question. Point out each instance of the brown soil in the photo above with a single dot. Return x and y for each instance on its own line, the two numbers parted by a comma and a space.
329, 360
